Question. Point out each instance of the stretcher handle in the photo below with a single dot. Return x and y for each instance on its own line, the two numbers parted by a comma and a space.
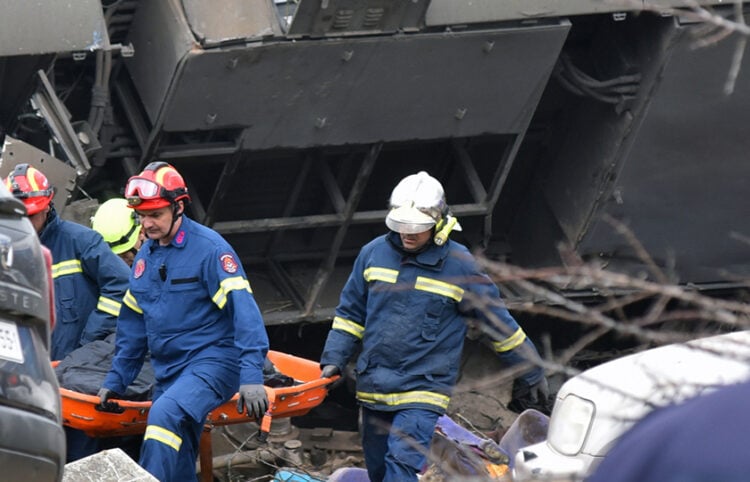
109, 407
265, 421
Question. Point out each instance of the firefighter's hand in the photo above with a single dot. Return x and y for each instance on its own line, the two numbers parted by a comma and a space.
526, 396
254, 398
105, 394
329, 371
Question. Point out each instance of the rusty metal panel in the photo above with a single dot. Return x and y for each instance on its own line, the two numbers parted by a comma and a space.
684, 186
319, 18
223, 21
30, 27
161, 38
451, 12
60, 175
365, 90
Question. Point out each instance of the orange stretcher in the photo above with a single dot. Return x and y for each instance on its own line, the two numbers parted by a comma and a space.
124, 417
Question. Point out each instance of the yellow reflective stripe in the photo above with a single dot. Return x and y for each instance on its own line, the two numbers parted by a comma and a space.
154, 432
131, 302
511, 342
228, 285
31, 179
66, 267
349, 326
109, 306
161, 174
439, 288
395, 399
380, 274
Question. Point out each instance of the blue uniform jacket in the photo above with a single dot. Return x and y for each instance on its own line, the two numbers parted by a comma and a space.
408, 311
90, 281
188, 302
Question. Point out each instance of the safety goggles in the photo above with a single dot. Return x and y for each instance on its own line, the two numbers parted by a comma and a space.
142, 188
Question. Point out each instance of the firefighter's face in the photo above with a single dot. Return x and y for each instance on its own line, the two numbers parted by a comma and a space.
129, 255
415, 242
157, 223
38, 219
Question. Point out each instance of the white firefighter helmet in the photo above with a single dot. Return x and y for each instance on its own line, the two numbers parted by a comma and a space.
417, 205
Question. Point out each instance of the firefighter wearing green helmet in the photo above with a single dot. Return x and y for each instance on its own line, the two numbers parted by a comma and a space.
119, 226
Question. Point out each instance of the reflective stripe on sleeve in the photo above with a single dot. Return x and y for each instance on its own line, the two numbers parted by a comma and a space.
403, 398
511, 342
109, 306
159, 434
348, 326
439, 288
380, 274
66, 267
131, 302
228, 285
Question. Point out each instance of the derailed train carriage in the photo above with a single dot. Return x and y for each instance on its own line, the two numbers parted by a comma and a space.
292, 121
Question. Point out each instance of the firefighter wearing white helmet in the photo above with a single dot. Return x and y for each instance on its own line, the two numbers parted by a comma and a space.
406, 304
119, 226
417, 205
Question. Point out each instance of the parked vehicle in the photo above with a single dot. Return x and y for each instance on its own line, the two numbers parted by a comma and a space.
32, 441
595, 407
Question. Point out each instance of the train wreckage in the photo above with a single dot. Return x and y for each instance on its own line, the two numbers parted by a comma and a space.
292, 121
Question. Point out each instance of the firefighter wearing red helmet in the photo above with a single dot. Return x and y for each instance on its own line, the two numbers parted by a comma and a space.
31, 186
405, 305
89, 279
190, 305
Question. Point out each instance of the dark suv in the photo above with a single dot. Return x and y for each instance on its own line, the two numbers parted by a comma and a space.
32, 441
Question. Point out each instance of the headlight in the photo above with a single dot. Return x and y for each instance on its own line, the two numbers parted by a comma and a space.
570, 424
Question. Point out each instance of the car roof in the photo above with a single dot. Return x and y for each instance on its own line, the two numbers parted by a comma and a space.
626, 389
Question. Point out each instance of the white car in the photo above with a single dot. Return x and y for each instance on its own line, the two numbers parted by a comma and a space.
595, 407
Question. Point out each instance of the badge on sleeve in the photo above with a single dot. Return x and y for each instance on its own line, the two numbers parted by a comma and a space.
228, 263
140, 267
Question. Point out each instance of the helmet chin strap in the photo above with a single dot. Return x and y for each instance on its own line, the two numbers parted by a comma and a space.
175, 217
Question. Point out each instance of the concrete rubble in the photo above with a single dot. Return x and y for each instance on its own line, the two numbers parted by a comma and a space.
107, 466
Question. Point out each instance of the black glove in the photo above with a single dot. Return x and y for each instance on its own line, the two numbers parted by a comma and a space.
329, 371
526, 396
254, 398
104, 395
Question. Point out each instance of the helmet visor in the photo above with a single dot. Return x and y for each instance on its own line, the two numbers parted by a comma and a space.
139, 189
409, 220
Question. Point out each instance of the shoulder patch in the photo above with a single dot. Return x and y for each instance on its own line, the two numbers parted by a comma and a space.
228, 263
140, 267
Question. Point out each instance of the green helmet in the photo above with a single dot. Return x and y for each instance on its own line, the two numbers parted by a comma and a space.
118, 224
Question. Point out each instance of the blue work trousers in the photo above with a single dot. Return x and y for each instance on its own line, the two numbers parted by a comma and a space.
396, 444
175, 421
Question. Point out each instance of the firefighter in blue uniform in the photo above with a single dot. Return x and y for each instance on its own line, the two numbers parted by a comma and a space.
89, 279
190, 304
406, 303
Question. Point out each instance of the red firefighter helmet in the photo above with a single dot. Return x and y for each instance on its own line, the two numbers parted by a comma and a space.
158, 186
31, 186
